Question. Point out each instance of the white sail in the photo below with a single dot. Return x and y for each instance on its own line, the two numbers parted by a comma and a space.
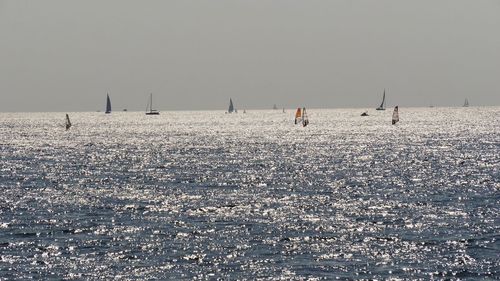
305, 119
395, 115
466, 103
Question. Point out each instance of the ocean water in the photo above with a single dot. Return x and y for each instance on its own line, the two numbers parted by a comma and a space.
208, 195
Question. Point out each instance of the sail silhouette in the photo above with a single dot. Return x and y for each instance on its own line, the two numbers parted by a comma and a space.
231, 108
108, 104
382, 105
68, 123
149, 109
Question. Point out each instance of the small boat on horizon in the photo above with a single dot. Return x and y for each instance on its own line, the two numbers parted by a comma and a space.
108, 104
466, 103
364, 113
149, 107
382, 105
275, 107
395, 115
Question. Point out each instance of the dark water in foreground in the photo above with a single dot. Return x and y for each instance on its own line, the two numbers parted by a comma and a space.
205, 195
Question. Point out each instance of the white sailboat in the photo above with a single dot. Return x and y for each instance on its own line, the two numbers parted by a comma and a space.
149, 108
466, 103
395, 115
68, 123
382, 105
108, 104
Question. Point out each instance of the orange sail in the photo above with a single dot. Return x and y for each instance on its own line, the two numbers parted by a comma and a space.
298, 114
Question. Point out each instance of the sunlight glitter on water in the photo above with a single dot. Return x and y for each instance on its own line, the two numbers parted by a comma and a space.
205, 195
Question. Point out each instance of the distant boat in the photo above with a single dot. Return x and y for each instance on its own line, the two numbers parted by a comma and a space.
395, 115
382, 105
149, 108
231, 108
108, 105
364, 113
275, 107
301, 116
68, 123
283, 110
466, 103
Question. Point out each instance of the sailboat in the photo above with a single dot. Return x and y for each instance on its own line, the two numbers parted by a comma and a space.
466, 103
275, 107
231, 108
382, 105
108, 105
149, 108
68, 123
395, 115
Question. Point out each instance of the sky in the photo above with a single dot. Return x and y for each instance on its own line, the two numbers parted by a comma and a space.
64, 55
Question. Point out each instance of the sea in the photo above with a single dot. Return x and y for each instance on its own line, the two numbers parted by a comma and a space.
206, 195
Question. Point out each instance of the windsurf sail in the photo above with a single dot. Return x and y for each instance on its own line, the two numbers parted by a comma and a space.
466, 103
305, 119
395, 115
231, 107
298, 115
68, 123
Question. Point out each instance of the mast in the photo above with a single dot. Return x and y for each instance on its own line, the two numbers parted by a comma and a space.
149, 107
151, 102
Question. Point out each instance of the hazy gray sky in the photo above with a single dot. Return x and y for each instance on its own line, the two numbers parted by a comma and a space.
63, 55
